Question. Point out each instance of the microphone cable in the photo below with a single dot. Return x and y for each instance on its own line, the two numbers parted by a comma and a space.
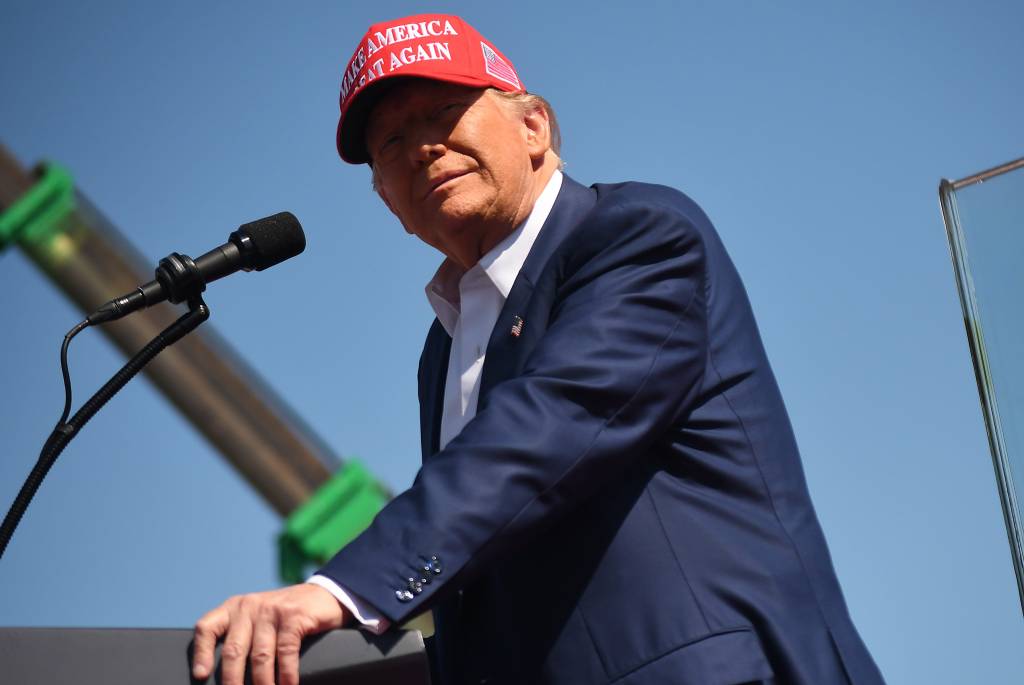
66, 428
47, 456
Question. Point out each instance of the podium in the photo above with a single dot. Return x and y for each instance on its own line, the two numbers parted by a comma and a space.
157, 656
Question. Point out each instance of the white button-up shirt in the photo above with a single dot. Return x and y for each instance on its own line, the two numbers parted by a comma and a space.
467, 303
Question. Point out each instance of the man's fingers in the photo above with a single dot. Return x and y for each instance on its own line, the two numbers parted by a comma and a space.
208, 629
235, 651
271, 626
289, 643
264, 650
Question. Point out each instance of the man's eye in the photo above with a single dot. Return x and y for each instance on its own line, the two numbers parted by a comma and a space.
389, 145
449, 108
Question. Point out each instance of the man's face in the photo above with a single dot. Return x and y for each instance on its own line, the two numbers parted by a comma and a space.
455, 164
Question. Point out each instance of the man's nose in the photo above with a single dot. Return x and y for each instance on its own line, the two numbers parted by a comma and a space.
426, 149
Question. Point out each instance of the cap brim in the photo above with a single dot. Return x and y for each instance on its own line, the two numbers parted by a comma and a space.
351, 136
352, 124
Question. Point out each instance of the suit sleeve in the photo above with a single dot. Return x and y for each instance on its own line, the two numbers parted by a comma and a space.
622, 359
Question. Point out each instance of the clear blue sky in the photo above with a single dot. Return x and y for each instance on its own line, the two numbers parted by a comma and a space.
814, 134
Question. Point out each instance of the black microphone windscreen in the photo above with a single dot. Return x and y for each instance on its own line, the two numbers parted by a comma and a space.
272, 240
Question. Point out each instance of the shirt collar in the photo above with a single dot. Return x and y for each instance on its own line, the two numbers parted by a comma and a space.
501, 264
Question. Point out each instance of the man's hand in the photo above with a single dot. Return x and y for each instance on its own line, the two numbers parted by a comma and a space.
264, 627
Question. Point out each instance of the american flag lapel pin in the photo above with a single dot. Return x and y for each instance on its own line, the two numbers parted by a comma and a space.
517, 326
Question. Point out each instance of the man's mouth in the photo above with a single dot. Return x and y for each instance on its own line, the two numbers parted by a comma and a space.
444, 179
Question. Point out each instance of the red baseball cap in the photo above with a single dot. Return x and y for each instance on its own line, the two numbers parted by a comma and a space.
435, 46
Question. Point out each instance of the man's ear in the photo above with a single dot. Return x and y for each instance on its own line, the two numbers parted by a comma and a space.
538, 133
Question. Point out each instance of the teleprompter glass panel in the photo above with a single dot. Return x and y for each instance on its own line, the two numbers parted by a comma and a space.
984, 216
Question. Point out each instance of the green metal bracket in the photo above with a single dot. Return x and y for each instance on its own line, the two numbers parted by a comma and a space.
36, 216
337, 512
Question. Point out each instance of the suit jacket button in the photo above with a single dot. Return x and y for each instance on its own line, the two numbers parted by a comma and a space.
403, 595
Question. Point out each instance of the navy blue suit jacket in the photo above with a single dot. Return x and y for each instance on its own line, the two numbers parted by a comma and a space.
628, 505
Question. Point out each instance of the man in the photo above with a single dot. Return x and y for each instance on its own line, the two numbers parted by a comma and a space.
611, 491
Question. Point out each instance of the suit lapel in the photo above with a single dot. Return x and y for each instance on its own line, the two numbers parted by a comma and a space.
509, 341
434, 370
505, 349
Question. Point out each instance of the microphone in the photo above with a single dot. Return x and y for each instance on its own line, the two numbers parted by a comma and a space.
257, 245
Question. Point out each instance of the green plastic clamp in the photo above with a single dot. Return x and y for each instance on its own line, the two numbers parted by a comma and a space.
337, 512
37, 215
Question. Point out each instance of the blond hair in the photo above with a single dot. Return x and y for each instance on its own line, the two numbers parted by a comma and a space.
528, 102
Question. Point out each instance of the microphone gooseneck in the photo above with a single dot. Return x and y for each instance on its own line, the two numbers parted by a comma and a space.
255, 246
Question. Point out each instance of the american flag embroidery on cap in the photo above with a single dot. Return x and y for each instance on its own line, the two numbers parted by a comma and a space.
497, 67
517, 326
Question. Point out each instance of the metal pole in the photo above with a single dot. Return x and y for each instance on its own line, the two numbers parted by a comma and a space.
983, 176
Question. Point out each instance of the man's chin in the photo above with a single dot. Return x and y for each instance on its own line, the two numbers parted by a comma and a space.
457, 211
